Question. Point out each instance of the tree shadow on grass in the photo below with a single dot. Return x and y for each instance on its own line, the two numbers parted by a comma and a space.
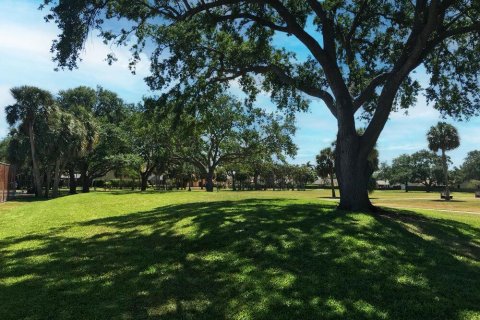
250, 259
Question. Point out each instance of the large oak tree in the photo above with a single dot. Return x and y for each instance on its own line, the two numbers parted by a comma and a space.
222, 130
361, 55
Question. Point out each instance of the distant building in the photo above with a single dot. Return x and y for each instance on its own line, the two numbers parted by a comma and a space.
325, 182
8, 184
383, 184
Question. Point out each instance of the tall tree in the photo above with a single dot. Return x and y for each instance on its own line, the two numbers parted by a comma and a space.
31, 103
427, 168
402, 170
103, 114
222, 130
326, 166
4, 148
443, 137
303, 174
384, 172
68, 139
360, 57
151, 138
80, 102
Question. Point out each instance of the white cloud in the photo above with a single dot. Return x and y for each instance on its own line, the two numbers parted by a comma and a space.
28, 43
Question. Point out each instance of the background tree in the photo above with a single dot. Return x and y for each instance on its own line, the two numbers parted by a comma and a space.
151, 138
4, 148
427, 168
471, 166
303, 174
443, 137
18, 153
326, 166
222, 130
384, 172
80, 102
222, 176
31, 104
103, 114
402, 170
360, 57
457, 176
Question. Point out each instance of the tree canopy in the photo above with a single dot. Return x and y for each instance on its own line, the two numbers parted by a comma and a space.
360, 57
223, 130
471, 165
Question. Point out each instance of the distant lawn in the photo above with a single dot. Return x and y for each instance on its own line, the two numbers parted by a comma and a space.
243, 255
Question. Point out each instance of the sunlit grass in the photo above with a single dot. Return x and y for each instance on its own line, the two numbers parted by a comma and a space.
234, 255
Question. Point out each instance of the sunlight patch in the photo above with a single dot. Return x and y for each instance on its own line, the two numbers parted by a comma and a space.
336, 306
25, 245
281, 279
186, 227
369, 310
8, 281
412, 280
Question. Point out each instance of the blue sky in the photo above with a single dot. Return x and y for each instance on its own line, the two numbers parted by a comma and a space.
25, 59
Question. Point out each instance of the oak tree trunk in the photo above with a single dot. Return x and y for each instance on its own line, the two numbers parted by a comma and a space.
209, 183
84, 179
85, 183
144, 181
353, 173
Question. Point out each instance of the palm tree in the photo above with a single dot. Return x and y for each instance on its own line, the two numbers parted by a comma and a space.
443, 137
70, 139
326, 166
80, 102
31, 103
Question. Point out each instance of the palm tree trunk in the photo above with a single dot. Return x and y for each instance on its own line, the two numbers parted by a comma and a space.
56, 179
445, 173
48, 176
332, 184
35, 168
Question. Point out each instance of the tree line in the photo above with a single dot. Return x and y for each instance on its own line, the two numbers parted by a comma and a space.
90, 132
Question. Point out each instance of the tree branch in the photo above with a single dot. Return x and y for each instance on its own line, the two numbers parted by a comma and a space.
409, 60
369, 91
288, 80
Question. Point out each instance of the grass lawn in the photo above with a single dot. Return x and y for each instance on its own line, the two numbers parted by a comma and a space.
238, 255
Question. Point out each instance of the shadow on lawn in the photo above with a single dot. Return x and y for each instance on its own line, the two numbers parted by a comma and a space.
261, 259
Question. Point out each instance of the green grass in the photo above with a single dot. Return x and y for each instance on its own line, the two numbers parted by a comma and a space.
243, 255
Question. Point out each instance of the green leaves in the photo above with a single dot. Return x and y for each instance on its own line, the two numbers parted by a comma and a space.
325, 163
471, 165
443, 136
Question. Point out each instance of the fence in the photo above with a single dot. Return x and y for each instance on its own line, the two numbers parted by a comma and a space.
7, 182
